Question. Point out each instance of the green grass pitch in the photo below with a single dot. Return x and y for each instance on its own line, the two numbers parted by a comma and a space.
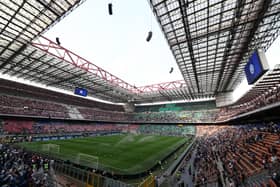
123, 154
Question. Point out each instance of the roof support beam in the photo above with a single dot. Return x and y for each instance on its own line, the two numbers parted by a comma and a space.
66, 79
183, 7
236, 18
48, 7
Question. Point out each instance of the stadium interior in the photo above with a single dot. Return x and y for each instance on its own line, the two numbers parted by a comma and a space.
65, 121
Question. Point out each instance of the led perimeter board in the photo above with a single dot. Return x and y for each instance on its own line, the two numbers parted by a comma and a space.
80, 91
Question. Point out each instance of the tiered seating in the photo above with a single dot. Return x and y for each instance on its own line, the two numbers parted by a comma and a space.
269, 97
49, 127
28, 91
20, 168
27, 106
189, 106
245, 152
103, 115
32, 127
177, 116
166, 130
11, 105
132, 128
18, 127
155, 116
205, 164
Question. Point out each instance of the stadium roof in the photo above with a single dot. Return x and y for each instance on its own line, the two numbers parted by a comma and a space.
211, 41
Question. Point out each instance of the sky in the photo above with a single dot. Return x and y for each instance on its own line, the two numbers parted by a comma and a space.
118, 43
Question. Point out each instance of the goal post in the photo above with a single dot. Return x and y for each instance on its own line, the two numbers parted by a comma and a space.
87, 160
51, 148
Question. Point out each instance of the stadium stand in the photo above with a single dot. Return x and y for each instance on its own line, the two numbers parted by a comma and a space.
197, 116
191, 106
32, 127
257, 151
12, 105
13, 88
39, 102
270, 97
19, 168
180, 112
29, 127
30, 107
174, 130
107, 115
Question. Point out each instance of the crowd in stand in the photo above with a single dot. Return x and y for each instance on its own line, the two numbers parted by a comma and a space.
32, 127
21, 169
177, 116
267, 98
243, 152
23, 106
25, 127
14, 105
27, 91
97, 114
172, 130
31, 107
155, 116
205, 163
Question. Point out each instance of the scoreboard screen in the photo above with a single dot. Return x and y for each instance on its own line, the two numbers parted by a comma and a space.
256, 67
80, 91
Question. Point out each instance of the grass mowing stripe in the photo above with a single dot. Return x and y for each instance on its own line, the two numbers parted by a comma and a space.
125, 154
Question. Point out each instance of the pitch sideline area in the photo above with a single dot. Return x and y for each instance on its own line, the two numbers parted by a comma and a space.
122, 154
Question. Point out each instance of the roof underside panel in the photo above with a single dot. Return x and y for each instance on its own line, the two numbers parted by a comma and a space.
23, 20
212, 40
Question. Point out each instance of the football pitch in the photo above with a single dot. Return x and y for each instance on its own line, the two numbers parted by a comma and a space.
122, 154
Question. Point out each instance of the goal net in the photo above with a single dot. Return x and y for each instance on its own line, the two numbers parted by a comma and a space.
87, 160
51, 148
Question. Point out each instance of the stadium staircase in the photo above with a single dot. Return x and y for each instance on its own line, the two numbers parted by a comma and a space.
1, 127
129, 107
74, 113
262, 179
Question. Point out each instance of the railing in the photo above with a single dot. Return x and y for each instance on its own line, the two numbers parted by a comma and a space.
86, 178
148, 182
90, 179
